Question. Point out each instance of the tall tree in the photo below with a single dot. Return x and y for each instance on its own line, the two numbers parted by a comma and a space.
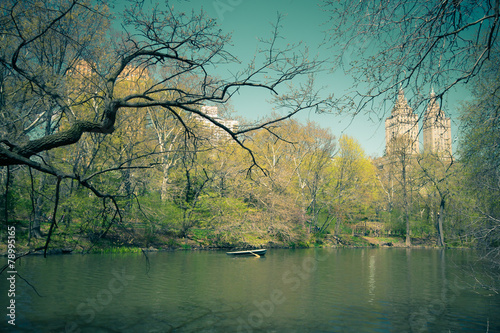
401, 169
437, 172
48, 46
480, 158
316, 149
154, 40
353, 179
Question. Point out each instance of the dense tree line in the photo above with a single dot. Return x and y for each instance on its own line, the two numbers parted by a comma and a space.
480, 155
69, 81
104, 141
420, 45
311, 187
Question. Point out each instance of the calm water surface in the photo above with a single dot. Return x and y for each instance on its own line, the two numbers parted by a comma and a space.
313, 290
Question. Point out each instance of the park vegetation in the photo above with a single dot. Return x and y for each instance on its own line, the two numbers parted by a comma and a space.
104, 144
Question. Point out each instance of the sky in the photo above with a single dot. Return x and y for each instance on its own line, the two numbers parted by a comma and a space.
249, 20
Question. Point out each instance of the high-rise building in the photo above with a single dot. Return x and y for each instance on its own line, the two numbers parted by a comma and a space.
436, 128
401, 128
213, 112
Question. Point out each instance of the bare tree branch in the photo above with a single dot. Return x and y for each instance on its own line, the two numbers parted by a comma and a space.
417, 44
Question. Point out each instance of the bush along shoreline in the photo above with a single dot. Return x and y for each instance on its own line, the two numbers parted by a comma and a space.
137, 241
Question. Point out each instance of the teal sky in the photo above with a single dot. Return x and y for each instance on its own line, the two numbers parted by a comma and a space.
249, 20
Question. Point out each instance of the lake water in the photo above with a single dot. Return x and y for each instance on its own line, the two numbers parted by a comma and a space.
311, 290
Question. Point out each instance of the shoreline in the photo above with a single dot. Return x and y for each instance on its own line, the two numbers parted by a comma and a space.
151, 249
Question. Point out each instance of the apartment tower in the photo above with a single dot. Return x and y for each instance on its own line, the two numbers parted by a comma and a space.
436, 129
401, 128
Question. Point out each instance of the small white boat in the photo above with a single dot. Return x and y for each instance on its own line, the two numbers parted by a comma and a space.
257, 253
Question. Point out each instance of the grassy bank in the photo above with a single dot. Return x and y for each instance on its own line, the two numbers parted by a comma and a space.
127, 240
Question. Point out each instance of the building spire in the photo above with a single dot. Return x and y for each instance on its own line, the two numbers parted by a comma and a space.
402, 126
401, 106
433, 94
436, 128
433, 107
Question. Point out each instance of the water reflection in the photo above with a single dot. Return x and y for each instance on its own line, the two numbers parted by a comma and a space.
322, 290
371, 279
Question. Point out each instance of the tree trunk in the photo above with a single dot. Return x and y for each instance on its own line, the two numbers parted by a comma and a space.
37, 220
167, 165
406, 203
38, 207
164, 182
337, 226
440, 241
339, 220
407, 219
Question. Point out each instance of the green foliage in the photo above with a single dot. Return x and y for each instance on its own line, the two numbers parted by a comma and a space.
396, 223
207, 199
353, 185
480, 159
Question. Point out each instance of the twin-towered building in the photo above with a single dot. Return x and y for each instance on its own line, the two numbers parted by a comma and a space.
402, 128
